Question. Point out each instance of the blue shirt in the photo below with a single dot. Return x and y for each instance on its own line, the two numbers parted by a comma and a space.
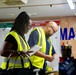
33, 40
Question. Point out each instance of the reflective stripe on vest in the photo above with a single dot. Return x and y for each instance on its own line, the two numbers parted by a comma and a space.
18, 61
21, 46
38, 61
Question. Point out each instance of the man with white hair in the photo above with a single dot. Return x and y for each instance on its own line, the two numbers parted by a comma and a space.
40, 36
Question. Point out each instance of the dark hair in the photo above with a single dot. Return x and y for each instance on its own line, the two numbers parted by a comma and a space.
21, 20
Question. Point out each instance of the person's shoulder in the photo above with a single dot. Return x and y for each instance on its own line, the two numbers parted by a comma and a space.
9, 37
34, 32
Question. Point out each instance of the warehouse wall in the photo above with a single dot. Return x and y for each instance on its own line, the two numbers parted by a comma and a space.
68, 26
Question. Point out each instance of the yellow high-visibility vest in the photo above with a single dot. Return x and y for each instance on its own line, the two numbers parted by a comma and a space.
21, 47
36, 60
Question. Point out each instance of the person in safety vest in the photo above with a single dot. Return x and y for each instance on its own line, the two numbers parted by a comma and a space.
40, 36
15, 42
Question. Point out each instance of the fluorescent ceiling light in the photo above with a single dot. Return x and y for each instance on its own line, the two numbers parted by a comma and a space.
70, 2
24, 1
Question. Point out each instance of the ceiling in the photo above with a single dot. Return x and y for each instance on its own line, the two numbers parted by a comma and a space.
38, 8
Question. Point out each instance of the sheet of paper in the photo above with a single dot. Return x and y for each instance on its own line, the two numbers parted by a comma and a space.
34, 49
54, 63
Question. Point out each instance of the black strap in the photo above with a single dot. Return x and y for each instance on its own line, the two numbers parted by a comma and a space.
22, 63
8, 60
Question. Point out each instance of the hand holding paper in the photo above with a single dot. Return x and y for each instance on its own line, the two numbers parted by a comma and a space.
54, 63
34, 49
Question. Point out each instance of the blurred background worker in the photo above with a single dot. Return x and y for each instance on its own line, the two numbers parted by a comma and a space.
15, 41
40, 36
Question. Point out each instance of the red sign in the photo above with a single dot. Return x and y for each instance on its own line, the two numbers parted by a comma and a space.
43, 23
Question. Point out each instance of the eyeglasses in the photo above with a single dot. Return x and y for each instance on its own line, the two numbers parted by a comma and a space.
53, 29
29, 26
